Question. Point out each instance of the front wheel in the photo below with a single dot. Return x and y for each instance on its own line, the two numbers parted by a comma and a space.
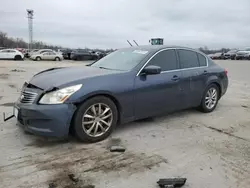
210, 98
95, 119
17, 57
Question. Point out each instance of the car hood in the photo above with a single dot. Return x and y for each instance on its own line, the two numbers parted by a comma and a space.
55, 77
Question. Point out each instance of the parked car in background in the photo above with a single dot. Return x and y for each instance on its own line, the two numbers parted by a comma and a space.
22, 50
43, 50
127, 85
11, 54
83, 55
29, 53
218, 55
230, 54
243, 54
100, 54
66, 53
47, 56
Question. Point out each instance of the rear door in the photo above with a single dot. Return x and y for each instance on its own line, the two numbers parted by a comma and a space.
162, 92
52, 55
45, 56
193, 76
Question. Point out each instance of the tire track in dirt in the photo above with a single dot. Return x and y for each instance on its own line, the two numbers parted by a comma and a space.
84, 161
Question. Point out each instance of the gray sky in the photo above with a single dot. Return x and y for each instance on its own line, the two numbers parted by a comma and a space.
106, 24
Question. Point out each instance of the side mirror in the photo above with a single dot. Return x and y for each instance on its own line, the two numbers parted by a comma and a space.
151, 69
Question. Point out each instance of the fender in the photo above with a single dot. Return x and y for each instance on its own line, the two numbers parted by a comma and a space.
101, 92
213, 79
210, 80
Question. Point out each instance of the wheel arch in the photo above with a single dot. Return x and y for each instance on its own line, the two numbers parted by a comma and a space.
92, 95
17, 57
216, 82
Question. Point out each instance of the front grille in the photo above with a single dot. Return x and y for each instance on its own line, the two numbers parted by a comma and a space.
28, 97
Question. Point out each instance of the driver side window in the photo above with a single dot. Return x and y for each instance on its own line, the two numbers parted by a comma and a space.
166, 60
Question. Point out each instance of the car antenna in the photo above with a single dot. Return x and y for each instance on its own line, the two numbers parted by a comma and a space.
136, 43
129, 43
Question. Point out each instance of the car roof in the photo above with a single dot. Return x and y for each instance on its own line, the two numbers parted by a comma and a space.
44, 49
153, 48
9, 49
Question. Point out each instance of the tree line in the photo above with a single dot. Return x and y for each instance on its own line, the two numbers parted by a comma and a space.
10, 42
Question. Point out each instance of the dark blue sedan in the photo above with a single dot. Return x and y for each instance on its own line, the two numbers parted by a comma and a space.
127, 85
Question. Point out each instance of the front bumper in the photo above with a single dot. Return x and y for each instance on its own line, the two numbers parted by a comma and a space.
45, 120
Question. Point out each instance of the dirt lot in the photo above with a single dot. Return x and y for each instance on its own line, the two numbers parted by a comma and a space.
210, 150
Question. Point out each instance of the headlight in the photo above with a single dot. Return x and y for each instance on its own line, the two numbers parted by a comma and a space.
59, 96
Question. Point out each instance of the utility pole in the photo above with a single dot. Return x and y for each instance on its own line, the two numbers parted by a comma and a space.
30, 25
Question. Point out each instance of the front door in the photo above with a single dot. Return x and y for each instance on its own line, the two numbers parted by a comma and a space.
4, 54
156, 94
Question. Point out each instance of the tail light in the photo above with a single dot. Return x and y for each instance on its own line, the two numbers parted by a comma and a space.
225, 71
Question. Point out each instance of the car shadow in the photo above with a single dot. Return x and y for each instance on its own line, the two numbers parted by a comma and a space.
44, 142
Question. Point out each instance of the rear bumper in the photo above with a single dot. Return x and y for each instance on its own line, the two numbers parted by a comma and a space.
45, 120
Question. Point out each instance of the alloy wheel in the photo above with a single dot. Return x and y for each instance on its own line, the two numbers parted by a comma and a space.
211, 98
97, 119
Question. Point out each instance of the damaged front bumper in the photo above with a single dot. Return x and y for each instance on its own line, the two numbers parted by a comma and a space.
45, 120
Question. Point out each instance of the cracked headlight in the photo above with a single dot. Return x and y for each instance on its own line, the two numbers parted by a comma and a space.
59, 96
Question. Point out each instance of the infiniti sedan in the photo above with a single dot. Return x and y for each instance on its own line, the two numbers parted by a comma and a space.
126, 85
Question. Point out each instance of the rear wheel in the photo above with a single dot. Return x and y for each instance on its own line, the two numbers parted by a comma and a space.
38, 58
95, 119
210, 98
57, 59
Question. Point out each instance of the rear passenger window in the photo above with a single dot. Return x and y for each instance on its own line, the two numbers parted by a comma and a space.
188, 59
165, 59
202, 60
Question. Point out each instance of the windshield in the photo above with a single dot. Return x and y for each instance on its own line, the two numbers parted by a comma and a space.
124, 60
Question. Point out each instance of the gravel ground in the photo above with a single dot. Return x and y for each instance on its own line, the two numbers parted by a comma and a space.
210, 150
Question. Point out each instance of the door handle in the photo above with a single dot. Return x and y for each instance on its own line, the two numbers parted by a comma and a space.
175, 78
205, 72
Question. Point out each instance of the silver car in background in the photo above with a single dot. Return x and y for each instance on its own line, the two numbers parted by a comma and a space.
51, 55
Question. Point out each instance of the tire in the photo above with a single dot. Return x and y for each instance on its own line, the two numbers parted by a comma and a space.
57, 59
38, 58
78, 58
17, 57
86, 109
204, 104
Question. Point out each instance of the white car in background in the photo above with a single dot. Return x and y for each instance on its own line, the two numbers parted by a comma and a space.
51, 55
11, 54
243, 54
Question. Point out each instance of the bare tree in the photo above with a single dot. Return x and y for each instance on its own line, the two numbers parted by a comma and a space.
9, 42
